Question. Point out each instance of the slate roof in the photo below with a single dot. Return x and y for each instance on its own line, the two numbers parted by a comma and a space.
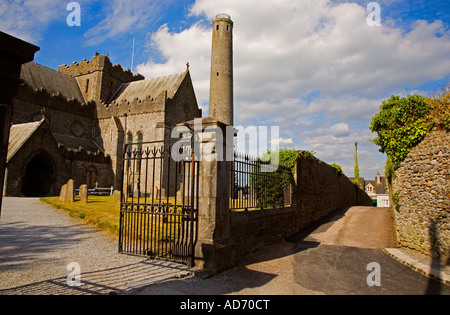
54, 82
378, 188
77, 144
149, 87
18, 135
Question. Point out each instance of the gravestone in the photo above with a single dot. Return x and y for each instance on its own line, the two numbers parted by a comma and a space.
117, 198
179, 195
70, 191
63, 193
83, 194
155, 192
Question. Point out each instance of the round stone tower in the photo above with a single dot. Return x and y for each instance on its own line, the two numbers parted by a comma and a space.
221, 83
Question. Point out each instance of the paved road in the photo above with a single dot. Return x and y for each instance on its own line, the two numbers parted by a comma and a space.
329, 258
335, 257
37, 243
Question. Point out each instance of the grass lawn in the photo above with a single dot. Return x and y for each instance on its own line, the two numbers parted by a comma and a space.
99, 212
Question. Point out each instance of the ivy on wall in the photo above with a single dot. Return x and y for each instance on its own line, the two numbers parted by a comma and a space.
402, 123
270, 192
338, 168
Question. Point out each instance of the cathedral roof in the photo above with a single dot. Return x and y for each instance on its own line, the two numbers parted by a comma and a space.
18, 135
150, 87
54, 82
77, 144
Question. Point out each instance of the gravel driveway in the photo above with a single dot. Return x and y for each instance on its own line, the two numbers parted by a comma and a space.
37, 243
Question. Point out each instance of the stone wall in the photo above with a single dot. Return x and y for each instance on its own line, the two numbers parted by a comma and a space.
254, 229
104, 175
95, 85
422, 209
319, 191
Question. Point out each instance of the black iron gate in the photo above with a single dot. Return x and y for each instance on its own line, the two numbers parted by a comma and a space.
159, 208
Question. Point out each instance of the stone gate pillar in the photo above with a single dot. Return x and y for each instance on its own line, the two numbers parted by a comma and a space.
215, 248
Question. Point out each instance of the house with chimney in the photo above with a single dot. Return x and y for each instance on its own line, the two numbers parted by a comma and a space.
377, 189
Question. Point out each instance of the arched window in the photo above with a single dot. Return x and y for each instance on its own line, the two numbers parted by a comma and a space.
91, 177
140, 138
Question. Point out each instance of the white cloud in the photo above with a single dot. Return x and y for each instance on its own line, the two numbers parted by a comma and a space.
345, 107
283, 142
340, 149
340, 130
29, 18
287, 49
192, 45
313, 67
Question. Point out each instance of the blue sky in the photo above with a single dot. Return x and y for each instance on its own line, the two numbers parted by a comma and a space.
315, 68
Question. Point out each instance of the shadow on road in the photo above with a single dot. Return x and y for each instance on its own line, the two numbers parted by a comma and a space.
119, 280
20, 242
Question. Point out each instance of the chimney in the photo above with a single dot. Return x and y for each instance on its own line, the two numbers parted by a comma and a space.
378, 179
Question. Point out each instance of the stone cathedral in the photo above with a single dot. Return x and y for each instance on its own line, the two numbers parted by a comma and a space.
72, 123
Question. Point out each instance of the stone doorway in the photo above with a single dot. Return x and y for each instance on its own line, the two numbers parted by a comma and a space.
38, 177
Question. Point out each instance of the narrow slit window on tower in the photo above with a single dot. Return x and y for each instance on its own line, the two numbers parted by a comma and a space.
217, 27
228, 27
87, 86
217, 73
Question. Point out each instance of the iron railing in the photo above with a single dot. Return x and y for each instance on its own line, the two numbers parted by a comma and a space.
257, 184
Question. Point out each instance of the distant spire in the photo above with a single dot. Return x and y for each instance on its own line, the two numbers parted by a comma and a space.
187, 65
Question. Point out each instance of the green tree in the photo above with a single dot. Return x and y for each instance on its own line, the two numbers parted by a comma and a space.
356, 180
400, 124
440, 104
